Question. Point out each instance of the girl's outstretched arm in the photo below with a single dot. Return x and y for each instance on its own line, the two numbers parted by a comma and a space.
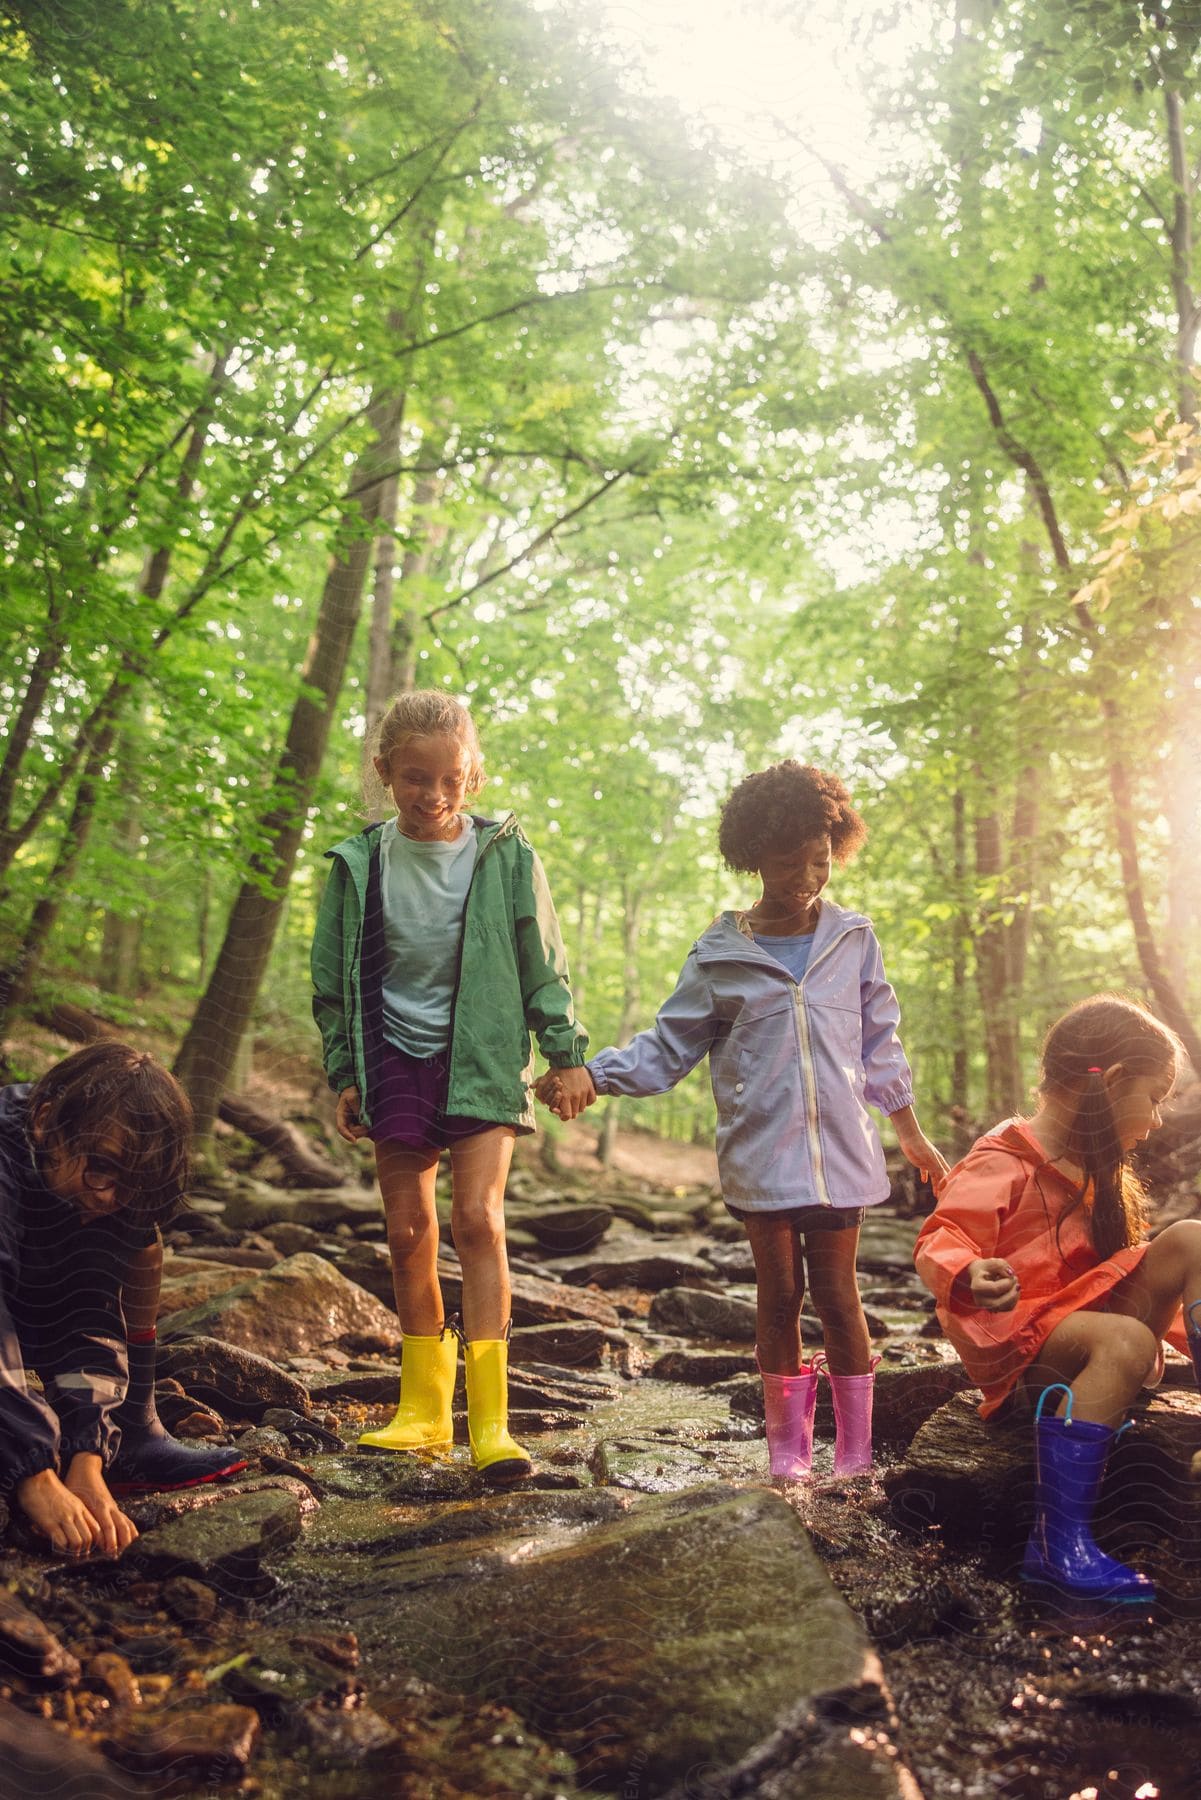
659, 1057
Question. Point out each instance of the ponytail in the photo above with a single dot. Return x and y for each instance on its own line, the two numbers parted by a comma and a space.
1117, 1215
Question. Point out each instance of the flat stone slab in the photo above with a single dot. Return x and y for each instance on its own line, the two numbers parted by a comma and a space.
222, 1545
648, 1269
701, 1368
690, 1312
680, 1635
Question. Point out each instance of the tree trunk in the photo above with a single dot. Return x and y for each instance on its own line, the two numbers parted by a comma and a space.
997, 999
118, 971
16, 980
209, 1051
1184, 651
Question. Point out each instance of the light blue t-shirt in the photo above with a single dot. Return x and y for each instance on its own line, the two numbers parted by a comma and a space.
792, 952
423, 888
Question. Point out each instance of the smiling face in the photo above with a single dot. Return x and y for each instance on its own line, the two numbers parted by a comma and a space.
427, 778
793, 881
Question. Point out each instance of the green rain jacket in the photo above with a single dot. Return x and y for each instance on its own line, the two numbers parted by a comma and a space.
512, 977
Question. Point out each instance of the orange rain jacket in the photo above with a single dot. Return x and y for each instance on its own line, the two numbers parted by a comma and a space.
1003, 1200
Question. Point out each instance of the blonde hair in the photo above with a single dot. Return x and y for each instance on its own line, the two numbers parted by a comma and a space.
426, 712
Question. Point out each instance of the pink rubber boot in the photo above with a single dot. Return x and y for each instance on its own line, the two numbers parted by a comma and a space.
852, 1396
789, 1403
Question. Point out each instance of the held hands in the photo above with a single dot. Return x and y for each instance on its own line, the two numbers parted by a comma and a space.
992, 1283
347, 1116
565, 1091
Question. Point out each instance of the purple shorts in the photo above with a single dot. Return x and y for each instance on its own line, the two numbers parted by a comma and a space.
407, 1105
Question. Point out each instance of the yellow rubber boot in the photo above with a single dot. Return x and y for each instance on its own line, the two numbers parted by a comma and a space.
493, 1451
422, 1421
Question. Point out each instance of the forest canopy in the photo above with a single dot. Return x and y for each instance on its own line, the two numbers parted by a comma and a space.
351, 345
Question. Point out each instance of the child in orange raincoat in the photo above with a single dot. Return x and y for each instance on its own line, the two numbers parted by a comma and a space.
1037, 1258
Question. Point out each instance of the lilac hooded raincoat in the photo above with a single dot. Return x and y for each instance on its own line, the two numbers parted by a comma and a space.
792, 1063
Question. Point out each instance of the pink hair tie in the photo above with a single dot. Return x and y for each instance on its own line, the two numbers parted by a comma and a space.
1095, 1070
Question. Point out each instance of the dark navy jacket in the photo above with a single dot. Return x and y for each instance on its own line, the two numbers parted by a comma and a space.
60, 1314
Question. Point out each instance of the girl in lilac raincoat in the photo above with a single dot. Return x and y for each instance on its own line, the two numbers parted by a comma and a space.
791, 1005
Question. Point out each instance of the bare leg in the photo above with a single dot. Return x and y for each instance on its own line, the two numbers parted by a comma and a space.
479, 1169
1104, 1357
780, 1289
406, 1179
830, 1260
1168, 1276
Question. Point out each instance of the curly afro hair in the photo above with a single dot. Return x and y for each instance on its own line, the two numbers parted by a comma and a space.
781, 808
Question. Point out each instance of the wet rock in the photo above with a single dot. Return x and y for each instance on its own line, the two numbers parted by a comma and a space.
35, 1759
289, 1237
29, 1648
333, 1735
734, 1261
886, 1243
186, 1286
301, 1305
234, 1256
223, 1545
206, 1744
650, 1465
649, 1270
526, 1512
575, 1344
263, 1441
191, 1602
279, 1682
569, 1230
537, 1301
701, 1368
239, 1383
688, 1312
110, 1674
259, 1207
675, 1637
369, 1266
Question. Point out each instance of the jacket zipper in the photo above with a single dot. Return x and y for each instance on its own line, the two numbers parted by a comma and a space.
808, 1080
454, 998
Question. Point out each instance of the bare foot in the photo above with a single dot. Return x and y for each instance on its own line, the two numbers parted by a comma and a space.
56, 1514
85, 1481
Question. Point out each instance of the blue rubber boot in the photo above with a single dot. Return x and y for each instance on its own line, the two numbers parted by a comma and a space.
1193, 1329
1070, 1457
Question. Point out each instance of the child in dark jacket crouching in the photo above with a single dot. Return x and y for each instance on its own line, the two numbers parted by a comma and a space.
93, 1157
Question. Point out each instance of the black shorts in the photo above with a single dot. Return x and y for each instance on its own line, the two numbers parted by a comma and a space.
806, 1218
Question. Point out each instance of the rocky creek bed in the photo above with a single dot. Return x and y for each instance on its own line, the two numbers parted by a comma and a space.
650, 1615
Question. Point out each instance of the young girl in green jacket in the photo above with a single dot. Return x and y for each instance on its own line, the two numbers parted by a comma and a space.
436, 953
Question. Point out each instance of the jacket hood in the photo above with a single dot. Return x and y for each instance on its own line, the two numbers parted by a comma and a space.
724, 942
